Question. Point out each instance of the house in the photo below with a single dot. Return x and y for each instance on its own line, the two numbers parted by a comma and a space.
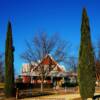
57, 75
31, 73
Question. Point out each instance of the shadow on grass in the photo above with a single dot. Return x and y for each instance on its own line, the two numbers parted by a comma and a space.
34, 95
96, 97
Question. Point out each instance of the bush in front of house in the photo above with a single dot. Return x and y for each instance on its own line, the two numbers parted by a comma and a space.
23, 86
69, 84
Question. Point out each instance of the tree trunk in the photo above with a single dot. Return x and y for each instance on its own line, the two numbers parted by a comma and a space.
42, 84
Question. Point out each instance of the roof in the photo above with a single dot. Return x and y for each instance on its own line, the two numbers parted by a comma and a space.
47, 60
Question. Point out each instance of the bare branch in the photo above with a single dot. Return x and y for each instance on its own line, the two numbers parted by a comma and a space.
41, 46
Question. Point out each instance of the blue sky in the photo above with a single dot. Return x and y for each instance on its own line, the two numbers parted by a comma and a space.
51, 16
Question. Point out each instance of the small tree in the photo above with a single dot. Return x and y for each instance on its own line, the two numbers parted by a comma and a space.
86, 66
9, 63
41, 46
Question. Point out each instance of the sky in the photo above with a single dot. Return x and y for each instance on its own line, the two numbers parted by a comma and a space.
51, 16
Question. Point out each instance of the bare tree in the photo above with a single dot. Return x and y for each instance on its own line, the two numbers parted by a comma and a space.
41, 46
72, 62
1, 69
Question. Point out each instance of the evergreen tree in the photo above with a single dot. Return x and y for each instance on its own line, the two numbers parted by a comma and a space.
86, 66
9, 63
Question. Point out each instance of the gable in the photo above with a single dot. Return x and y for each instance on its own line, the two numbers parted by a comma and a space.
48, 60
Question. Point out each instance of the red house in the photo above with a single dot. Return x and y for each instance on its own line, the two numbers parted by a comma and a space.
29, 75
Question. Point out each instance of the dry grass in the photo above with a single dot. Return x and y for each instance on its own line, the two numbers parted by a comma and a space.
77, 99
1, 85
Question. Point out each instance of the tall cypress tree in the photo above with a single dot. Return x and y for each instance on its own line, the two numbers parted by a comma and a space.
86, 66
9, 63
